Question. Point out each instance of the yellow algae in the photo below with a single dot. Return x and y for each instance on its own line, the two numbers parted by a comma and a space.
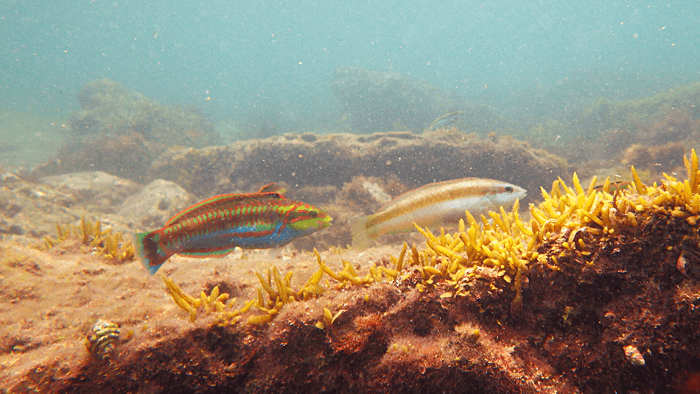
325, 268
391, 273
591, 185
111, 246
259, 319
639, 186
441, 250
267, 286
692, 167
187, 303
328, 318
577, 185
499, 221
415, 255
399, 263
426, 233
346, 277
283, 294
430, 271
247, 306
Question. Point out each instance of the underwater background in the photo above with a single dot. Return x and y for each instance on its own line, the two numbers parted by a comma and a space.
267, 67
117, 115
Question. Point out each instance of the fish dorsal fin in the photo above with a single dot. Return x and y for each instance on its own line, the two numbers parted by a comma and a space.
222, 201
273, 188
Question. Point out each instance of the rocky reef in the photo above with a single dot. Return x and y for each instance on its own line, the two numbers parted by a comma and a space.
33, 209
597, 292
121, 131
377, 101
650, 133
335, 159
605, 114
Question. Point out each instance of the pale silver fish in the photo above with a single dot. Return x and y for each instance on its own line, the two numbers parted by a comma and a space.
445, 120
435, 205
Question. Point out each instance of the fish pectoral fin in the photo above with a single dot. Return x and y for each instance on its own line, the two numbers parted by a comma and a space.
275, 251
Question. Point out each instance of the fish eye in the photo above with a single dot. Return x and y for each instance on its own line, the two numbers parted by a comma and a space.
294, 215
509, 189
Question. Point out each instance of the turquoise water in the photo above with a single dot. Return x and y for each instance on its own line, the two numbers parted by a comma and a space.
264, 59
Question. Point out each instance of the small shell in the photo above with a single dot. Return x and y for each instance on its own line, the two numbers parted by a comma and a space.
634, 356
103, 339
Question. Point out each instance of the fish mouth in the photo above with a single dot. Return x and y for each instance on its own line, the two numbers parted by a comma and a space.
324, 222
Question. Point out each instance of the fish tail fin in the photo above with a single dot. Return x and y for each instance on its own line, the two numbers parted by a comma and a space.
362, 238
148, 248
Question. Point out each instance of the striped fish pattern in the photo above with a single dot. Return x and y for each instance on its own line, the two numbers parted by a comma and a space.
215, 227
435, 205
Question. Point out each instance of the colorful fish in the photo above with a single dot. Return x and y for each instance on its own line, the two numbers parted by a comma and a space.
435, 205
216, 226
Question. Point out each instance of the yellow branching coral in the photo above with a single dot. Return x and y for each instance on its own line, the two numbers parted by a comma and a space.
276, 290
502, 243
111, 246
215, 302
187, 303
280, 292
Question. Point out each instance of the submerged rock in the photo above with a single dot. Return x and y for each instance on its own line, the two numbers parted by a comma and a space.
153, 205
577, 332
335, 159
120, 131
33, 210
380, 101
96, 190
111, 109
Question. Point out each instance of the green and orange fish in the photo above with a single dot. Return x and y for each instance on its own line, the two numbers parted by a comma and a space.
439, 204
215, 227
